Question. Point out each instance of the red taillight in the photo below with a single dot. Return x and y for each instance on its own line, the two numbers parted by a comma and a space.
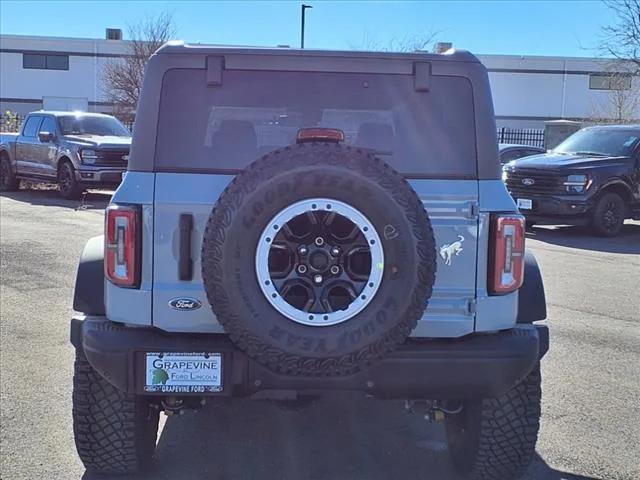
320, 135
122, 245
507, 260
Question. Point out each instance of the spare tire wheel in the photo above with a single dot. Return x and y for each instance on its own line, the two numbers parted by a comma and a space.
318, 259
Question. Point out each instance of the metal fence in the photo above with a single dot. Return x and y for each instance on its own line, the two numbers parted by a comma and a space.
521, 136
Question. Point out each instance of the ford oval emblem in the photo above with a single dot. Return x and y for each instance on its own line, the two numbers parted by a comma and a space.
185, 304
528, 181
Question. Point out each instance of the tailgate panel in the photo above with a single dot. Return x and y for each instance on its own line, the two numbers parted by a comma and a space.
452, 205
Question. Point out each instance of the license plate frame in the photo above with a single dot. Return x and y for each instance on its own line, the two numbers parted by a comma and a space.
524, 204
183, 372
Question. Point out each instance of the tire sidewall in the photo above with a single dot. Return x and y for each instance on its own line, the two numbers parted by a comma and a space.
599, 211
249, 317
67, 169
7, 176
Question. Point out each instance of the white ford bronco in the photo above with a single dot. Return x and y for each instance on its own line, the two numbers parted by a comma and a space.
299, 222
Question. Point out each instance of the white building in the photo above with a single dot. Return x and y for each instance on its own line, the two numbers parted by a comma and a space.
65, 74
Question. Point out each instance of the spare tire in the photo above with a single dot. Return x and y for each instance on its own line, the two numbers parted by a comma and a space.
318, 259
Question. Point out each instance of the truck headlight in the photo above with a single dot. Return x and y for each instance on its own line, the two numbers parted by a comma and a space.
577, 183
505, 174
88, 156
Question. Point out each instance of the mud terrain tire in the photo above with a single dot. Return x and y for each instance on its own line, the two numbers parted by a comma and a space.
495, 438
114, 432
276, 181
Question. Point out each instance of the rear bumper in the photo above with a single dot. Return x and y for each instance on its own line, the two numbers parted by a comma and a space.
482, 365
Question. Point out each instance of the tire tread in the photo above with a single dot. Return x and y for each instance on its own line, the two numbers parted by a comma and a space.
262, 170
507, 434
112, 430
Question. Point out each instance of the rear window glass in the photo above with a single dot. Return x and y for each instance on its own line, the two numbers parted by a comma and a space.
227, 127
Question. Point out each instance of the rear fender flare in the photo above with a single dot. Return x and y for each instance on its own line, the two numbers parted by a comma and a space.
532, 305
88, 296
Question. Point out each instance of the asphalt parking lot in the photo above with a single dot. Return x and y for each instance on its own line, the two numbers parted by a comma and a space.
591, 385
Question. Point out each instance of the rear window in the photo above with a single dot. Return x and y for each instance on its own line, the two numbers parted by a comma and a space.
227, 127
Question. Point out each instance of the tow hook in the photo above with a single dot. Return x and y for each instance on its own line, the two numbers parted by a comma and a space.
433, 411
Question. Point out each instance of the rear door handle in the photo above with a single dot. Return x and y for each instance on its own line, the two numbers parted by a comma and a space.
185, 263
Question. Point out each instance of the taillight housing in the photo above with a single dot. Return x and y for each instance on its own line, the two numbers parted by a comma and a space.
506, 272
122, 245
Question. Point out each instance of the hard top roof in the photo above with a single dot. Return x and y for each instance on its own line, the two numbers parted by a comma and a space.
179, 47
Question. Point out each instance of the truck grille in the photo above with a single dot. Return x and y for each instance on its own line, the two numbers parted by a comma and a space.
112, 158
533, 182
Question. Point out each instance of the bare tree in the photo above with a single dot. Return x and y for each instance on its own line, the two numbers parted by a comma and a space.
122, 77
406, 43
619, 101
622, 39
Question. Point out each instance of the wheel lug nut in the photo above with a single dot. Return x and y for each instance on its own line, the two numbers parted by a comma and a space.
302, 250
319, 241
302, 269
317, 279
335, 251
335, 270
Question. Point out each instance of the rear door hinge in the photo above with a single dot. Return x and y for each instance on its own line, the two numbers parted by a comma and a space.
472, 210
471, 306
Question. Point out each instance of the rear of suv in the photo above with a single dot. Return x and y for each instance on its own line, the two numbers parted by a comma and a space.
301, 222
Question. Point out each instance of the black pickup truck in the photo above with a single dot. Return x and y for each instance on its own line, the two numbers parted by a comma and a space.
75, 150
592, 178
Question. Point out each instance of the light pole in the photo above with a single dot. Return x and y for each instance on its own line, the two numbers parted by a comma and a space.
304, 7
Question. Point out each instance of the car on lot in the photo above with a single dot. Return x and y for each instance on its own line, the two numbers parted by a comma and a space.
284, 245
75, 150
513, 151
592, 178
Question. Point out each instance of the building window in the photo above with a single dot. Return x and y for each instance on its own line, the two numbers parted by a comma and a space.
609, 81
45, 62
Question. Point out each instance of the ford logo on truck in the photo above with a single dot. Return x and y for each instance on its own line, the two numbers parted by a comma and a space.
185, 304
528, 181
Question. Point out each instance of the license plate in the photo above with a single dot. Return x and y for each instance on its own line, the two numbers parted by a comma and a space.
183, 372
525, 204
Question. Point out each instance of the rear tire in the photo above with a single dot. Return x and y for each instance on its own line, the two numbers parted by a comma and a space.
114, 432
8, 180
609, 215
495, 438
67, 182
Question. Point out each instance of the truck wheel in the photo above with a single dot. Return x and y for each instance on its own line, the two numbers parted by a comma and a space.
318, 259
8, 180
69, 186
495, 438
114, 432
608, 215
